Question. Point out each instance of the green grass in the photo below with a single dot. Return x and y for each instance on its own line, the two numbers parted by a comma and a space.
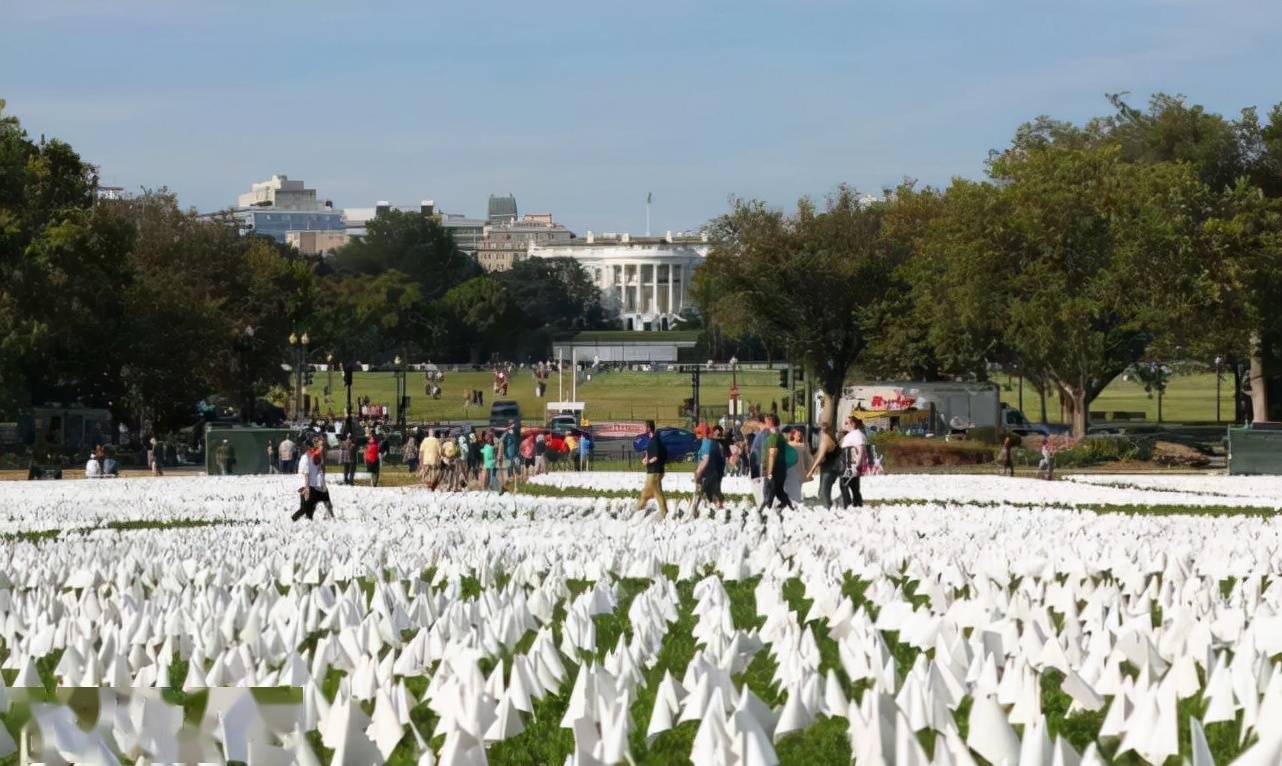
609, 395
1188, 399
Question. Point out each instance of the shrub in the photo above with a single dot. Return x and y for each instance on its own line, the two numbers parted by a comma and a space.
906, 451
1094, 450
992, 435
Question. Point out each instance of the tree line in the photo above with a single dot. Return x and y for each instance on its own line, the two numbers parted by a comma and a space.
145, 308
1148, 234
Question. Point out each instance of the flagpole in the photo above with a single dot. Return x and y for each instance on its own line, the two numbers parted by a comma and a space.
647, 212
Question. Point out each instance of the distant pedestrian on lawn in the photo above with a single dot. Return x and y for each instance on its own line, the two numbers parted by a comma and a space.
655, 458
154, 459
489, 463
429, 458
1046, 468
287, 450
225, 457
774, 464
1006, 457
409, 454
585, 451
372, 459
313, 492
347, 456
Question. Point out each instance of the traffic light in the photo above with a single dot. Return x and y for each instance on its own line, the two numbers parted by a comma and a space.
347, 376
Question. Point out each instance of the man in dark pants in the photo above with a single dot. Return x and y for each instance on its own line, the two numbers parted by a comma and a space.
311, 469
655, 458
774, 466
347, 456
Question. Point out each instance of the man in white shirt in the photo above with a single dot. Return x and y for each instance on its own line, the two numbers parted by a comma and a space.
311, 469
93, 469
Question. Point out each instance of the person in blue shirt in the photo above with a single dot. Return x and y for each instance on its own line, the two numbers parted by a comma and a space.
707, 475
585, 450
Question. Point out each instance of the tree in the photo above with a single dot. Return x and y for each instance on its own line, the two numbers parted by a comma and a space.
484, 311
1077, 258
552, 295
413, 244
805, 283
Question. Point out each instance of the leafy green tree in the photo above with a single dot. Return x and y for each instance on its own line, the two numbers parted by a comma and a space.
415, 245
552, 295
806, 284
1075, 257
485, 313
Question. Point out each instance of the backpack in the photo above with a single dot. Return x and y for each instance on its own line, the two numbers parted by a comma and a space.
789, 453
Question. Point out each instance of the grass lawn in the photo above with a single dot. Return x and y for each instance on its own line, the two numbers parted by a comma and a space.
609, 395
640, 395
1188, 399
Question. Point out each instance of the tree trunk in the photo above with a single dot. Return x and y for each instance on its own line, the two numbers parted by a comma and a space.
1259, 388
1041, 392
1078, 403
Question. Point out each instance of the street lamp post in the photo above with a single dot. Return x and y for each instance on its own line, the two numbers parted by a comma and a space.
299, 344
329, 385
400, 393
246, 381
734, 384
1219, 361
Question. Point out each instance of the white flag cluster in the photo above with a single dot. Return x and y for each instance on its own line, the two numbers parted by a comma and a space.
440, 625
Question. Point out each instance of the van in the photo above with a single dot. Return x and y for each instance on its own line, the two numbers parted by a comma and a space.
503, 411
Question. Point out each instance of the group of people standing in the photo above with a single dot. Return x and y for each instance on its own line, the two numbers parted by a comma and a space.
782, 461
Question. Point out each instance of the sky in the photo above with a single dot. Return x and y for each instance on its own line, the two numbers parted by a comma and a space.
582, 108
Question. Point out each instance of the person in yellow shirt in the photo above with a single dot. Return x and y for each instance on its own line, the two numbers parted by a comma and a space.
572, 446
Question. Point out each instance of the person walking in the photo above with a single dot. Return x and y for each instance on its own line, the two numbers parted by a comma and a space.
154, 459
429, 456
585, 451
313, 492
827, 463
707, 476
655, 459
1006, 458
774, 465
272, 467
489, 463
799, 466
572, 448
225, 457
286, 452
372, 459
475, 461
512, 450
540, 454
347, 458
854, 446
409, 454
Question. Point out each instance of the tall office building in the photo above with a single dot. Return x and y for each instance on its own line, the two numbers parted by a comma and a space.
502, 210
280, 205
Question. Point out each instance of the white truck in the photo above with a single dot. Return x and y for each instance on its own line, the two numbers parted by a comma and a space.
931, 408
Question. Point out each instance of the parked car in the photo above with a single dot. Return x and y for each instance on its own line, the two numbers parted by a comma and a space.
1014, 421
679, 442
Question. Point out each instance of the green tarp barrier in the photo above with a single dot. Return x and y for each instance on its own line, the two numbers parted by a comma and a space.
1254, 452
248, 446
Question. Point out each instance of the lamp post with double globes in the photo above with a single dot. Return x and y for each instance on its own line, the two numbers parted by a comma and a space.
299, 344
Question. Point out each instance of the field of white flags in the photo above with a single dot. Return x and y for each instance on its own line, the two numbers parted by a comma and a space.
954, 620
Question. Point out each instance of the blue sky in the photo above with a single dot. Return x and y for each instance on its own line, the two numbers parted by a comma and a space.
580, 108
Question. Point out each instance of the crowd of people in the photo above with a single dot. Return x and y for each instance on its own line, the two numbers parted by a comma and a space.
780, 458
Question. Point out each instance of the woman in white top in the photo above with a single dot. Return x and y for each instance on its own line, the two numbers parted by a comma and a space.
855, 447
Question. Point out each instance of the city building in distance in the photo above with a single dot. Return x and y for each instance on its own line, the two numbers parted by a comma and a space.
280, 205
467, 232
645, 279
506, 243
501, 210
